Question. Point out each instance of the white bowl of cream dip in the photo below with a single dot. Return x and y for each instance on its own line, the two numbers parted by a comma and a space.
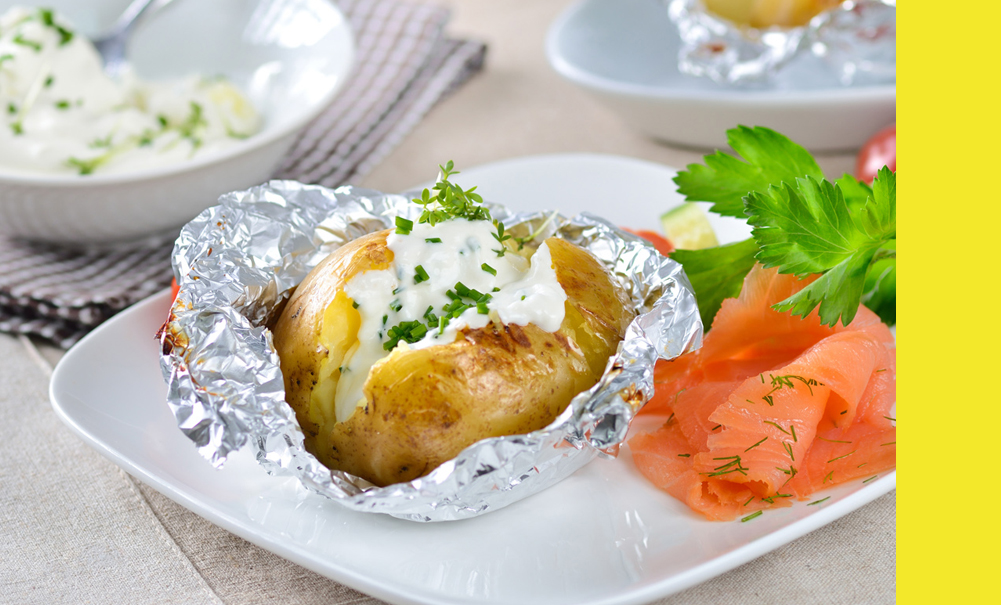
217, 94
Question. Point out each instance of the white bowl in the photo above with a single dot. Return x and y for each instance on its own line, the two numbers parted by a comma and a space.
290, 56
625, 52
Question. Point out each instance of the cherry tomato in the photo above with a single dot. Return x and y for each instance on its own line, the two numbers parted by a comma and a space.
174, 289
659, 242
879, 151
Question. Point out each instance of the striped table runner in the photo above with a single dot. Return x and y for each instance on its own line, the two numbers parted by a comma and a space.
405, 65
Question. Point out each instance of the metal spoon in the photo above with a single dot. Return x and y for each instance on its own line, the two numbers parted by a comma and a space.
112, 46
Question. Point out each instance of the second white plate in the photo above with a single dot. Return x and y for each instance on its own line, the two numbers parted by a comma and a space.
625, 52
603, 536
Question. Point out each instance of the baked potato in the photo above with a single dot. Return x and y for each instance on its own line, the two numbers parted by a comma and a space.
422, 406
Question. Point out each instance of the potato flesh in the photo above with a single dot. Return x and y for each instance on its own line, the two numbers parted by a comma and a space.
423, 406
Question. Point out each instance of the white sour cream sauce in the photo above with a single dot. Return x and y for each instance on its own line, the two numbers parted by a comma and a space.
527, 293
61, 114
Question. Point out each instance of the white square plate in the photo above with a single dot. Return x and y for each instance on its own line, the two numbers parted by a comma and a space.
603, 536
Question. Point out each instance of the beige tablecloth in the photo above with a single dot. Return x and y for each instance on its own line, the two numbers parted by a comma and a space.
76, 529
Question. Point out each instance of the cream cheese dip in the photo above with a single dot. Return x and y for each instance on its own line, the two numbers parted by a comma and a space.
446, 278
61, 114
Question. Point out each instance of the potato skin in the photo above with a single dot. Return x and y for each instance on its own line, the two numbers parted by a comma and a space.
424, 406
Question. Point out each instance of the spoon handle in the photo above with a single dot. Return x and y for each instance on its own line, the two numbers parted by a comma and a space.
132, 13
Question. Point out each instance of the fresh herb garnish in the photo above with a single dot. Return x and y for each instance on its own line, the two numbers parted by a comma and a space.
22, 41
354, 304
734, 466
840, 457
410, 331
403, 226
488, 269
450, 200
756, 445
753, 515
870, 479
819, 501
803, 224
432, 240
420, 275
63, 104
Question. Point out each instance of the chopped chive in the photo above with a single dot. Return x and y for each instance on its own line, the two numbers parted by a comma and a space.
11, 108
762, 377
396, 305
753, 515
819, 501
522, 297
870, 479
462, 290
162, 120
481, 308
403, 226
496, 289
432, 240
384, 318
684, 455
792, 428
756, 444
420, 274
889, 443
49, 81
749, 500
354, 303
16, 128
21, 40
488, 269
840, 457
62, 104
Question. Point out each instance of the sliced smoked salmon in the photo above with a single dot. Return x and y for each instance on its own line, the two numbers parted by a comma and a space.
772, 407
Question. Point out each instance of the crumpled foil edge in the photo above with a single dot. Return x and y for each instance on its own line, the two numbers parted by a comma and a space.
238, 261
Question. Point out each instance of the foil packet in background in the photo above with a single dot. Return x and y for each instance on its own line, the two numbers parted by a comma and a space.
239, 261
856, 40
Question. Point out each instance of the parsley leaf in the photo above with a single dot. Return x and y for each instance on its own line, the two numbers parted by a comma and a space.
716, 273
770, 159
809, 227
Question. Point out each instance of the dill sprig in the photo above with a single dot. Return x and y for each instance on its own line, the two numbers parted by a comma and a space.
734, 466
776, 425
756, 445
831, 440
788, 449
819, 501
840, 457
830, 476
753, 515
870, 479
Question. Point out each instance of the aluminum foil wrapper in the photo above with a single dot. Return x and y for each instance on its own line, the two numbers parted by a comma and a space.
238, 261
856, 41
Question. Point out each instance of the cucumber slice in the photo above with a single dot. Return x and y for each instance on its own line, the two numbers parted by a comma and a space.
688, 228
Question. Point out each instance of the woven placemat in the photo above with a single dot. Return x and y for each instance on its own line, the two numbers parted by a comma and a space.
405, 65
